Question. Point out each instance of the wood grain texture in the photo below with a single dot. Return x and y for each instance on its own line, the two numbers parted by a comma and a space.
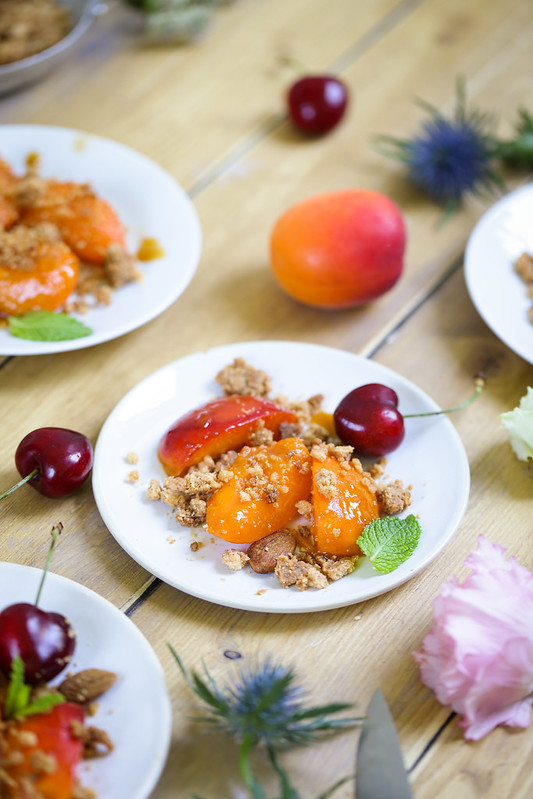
212, 114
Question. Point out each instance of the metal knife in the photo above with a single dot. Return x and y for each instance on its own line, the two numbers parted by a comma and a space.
380, 772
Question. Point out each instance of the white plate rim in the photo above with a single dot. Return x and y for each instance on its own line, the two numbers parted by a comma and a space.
190, 229
509, 323
225, 354
159, 702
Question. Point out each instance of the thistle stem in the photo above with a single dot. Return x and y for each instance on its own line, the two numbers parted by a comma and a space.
20, 483
479, 383
56, 529
248, 742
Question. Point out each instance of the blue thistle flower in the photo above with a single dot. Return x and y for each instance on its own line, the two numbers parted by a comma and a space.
265, 706
449, 158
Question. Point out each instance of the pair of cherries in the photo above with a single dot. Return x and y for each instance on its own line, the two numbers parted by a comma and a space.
55, 462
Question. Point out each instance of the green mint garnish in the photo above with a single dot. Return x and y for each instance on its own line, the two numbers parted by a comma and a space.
390, 541
47, 326
17, 701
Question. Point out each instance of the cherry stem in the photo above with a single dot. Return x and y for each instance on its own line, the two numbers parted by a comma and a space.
479, 383
20, 483
56, 530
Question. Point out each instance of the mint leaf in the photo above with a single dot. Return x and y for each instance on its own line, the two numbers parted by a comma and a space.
17, 700
18, 693
47, 326
390, 541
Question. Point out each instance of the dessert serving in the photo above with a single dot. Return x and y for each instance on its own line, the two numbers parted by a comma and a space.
274, 474
57, 238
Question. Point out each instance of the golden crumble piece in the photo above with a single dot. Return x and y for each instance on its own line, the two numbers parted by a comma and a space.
132, 458
305, 508
290, 570
241, 378
28, 191
154, 490
260, 436
43, 763
524, 267
378, 469
393, 498
133, 476
234, 559
326, 482
119, 266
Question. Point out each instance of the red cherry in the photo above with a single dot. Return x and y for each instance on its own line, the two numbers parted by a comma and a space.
44, 641
368, 419
62, 459
317, 103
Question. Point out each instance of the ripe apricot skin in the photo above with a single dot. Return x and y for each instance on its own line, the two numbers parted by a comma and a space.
239, 519
45, 287
340, 249
216, 427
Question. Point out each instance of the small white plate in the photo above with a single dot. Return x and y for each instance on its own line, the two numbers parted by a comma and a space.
502, 234
431, 459
150, 203
135, 712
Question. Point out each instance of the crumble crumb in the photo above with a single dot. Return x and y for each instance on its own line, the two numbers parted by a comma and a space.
234, 559
132, 458
326, 482
133, 476
119, 266
393, 497
241, 378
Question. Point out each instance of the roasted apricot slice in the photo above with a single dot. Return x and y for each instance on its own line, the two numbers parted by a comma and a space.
216, 427
87, 223
261, 496
344, 502
43, 285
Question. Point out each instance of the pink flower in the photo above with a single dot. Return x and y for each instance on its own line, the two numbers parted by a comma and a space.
478, 656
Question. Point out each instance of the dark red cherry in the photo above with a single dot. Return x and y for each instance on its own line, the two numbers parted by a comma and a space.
44, 641
63, 460
368, 419
317, 103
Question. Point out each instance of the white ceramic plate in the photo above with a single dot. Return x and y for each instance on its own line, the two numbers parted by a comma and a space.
431, 459
135, 712
503, 233
150, 203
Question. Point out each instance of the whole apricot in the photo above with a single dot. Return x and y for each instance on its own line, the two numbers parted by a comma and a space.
340, 249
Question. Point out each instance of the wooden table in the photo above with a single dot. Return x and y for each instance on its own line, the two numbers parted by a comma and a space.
212, 115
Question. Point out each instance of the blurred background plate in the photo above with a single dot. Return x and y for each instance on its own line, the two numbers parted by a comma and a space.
17, 74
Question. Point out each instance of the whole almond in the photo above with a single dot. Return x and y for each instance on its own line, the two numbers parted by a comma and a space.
87, 685
264, 553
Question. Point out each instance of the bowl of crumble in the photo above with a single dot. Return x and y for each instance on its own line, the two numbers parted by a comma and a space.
36, 35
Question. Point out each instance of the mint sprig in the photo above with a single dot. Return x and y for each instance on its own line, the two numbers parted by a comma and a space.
389, 542
47, 326
17, 700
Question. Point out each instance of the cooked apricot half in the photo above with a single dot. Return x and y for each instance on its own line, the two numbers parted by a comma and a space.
261, 496
344, 502
87, 223
45, 285
216, 427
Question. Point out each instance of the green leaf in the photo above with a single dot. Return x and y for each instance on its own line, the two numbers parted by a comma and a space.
390, 541
18, 693
17, 701
47, 326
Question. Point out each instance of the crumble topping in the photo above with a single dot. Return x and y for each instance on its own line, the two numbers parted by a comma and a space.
303, 567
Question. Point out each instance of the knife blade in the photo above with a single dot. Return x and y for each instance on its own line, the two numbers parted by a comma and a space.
380, 772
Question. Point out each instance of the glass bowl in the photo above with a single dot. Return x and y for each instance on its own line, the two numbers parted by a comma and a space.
17, 74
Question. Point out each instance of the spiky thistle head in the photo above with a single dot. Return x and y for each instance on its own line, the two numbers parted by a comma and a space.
265, 705
450, 157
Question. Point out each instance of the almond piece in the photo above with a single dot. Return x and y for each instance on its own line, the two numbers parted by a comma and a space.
87, 685
264, 553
